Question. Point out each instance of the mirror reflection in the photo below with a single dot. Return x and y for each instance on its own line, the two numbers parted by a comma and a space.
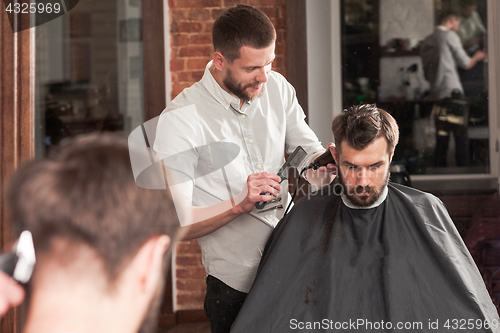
425, 63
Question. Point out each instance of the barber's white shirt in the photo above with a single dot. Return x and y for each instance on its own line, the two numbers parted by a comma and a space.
261, 131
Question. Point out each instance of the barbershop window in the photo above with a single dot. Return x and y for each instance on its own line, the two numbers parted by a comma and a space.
381, 63
89, 72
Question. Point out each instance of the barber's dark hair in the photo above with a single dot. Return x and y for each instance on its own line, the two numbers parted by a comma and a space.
85, 194
360, 125
446, 15
241, 25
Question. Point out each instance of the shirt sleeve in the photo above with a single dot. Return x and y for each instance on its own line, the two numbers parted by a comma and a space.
457, 50
176, 142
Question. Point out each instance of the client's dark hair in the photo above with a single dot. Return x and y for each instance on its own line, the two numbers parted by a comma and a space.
360, 125
85, 194
241, 25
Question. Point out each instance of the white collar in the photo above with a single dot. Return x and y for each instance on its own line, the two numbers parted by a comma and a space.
377, 203
213, 87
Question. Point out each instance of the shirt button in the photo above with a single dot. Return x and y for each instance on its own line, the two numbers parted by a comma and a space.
269, 216
250, 141
258, 166
242, 116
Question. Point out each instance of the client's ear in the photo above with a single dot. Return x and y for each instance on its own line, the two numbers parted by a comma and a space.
149, 263
333, 151
218, 59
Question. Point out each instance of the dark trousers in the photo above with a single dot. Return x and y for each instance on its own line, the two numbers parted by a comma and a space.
222, 304
451, 116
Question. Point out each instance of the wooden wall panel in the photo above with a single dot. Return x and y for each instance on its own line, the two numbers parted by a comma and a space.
154, 58
16, 124
296, 49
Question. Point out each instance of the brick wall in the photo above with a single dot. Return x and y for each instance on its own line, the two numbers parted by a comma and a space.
191, 49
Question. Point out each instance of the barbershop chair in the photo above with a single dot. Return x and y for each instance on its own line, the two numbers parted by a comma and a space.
483, 242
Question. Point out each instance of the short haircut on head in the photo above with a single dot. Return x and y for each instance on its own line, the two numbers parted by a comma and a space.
241, 25
85, 194
446, 15
361, 125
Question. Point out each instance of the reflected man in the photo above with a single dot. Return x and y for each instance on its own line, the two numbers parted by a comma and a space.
441, 53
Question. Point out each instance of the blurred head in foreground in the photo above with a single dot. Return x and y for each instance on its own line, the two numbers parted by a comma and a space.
102, 243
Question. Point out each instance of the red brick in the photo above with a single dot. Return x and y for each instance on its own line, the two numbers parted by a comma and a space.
171, 4
230, 3
173, 26
281, 36
190, 77
178, 39
176, 65
280, 49
188, 3
282, 10
273, 2
200, 39
267, 3
216, 12
195, 14
195, 51
198, 63
279, 23
190, 299
189, 247
173, 75
191, 260
271, 11
189, 27
174, 52
278, 61
190, 272
190, 284
212, 3
207, 27
194, 293
178, 14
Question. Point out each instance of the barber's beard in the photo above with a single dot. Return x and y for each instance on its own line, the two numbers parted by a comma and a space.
238, 89
374, 193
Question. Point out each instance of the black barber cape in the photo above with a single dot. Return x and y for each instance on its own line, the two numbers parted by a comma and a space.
398, 267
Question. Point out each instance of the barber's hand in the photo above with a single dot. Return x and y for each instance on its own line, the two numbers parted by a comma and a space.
325, 174
257, 185
331, 169
480, 55
11, 294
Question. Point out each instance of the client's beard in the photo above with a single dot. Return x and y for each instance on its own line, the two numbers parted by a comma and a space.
374, 193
